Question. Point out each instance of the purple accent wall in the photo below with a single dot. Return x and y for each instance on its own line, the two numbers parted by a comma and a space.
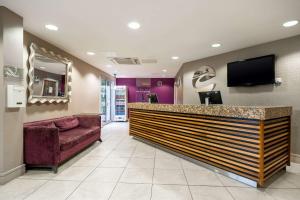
130, 83
165, 93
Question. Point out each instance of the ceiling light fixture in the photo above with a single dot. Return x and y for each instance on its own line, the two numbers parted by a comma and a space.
175, 57
216, 45
90, 53
290, 23
134, 25
51, 27
164, 70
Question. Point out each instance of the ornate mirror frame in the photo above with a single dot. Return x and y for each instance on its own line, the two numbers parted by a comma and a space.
48, 99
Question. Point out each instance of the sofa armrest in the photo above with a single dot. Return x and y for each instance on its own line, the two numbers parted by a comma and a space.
41, 146
87, 121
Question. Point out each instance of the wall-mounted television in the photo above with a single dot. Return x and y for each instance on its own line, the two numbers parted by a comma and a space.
250, 72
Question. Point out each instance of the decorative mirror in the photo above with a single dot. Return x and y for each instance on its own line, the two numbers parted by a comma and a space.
49, 76
202, 79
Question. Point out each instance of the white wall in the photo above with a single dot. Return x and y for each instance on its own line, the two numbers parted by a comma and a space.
287, 52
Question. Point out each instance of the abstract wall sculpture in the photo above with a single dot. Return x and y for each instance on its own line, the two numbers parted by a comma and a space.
203, 79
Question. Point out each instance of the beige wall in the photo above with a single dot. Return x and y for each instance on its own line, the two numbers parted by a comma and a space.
14, 45
287, 53
178, 94
85, 86
11, 120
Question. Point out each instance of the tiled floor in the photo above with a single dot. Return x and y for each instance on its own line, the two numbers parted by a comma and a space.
124, 168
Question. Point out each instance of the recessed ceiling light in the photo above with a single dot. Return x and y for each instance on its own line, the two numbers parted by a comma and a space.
216, 45
290, 23
175, 57
42, 67
51, 27
90, 53
134, 25
108, 66
164, 70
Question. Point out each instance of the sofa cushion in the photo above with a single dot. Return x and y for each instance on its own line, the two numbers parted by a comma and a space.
70, 138
47, 124
67, 123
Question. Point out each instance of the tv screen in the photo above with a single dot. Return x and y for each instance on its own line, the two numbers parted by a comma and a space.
254, 71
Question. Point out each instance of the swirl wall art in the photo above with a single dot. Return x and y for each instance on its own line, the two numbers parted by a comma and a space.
203, 79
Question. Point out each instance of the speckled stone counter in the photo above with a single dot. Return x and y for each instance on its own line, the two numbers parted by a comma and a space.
252, 142
244, 112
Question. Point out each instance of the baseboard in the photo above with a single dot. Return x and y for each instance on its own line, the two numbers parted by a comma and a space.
11, 174
295, 158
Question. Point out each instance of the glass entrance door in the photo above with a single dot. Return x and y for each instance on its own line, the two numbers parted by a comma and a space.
108, 101
105, 101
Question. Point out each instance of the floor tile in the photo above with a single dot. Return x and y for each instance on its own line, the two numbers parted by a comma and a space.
147, 163
210, 193
249, 194
124, 191
285, 180
196, 177
105, 175
167, 163
121, 153
170, 192
226, 181
38, 174
131, 162
114, 162
88, 162
137, 176
164, 154
54, 190
284, 194
144, 147
126, 147
190, 165
74, 173
294, 168
144, 154
93, 191
169, 176
294, 179
19, 188
100, 152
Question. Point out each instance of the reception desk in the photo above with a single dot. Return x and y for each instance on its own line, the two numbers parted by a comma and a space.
249, 143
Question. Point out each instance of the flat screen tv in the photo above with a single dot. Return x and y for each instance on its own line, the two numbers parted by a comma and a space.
250, 72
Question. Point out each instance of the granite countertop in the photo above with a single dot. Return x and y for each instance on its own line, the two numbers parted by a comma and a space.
246, 112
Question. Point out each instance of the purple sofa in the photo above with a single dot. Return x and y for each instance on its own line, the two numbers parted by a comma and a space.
49, 143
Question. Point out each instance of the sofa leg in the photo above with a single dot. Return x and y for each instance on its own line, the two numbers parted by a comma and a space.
55, 169
100, 140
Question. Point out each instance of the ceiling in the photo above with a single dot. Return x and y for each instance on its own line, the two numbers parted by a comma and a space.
168, 28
